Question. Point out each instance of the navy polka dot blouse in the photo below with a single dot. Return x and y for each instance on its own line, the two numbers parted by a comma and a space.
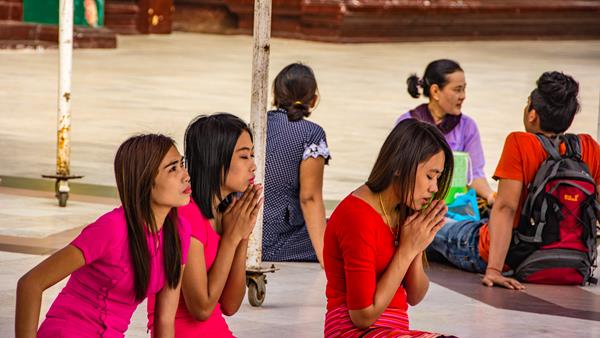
285, 237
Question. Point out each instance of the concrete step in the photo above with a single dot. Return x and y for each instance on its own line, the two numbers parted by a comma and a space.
121, 17
18, 34
405, 20
11, 10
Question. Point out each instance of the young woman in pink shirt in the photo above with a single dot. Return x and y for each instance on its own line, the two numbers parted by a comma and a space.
220, 157
127, 254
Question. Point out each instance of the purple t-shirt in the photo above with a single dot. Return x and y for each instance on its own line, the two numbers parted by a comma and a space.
464, 137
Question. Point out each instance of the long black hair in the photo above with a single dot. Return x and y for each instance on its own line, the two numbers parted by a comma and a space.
137, 164
411, 142
209, 145
435, 73
294, 90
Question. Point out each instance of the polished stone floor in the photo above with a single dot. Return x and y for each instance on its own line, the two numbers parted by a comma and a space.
158, 83
295, 307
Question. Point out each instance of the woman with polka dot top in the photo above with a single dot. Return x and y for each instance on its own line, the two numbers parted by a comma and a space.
297, 152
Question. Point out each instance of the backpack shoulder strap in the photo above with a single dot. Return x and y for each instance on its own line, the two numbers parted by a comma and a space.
550, 147
573, 145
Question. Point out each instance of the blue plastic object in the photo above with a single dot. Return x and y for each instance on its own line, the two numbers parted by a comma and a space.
464, 207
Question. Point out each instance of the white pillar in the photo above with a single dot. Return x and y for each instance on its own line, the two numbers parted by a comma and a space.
258, 113
65, 43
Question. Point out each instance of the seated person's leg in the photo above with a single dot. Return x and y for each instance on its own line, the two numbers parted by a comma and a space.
458, 242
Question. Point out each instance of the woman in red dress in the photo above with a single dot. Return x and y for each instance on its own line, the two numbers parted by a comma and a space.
375, 239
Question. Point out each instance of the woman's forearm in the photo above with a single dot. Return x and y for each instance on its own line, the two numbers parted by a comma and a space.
31, 286
416, 281
313, 211
386, 288
167, 301
311, 201
27, 313
235, 288
219, 272
482, 187
500, 229
202, 295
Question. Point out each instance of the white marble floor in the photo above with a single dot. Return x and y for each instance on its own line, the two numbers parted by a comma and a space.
295, 307
158, 83
35, 217
295, 301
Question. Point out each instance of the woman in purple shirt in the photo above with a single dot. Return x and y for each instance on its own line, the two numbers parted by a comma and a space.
127, 254
444, 84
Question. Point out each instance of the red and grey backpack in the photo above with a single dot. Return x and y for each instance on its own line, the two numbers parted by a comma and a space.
555, 241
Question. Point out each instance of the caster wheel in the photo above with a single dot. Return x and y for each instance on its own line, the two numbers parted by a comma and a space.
62, 198
256, 291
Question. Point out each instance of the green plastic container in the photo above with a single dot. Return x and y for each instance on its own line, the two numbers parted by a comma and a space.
460, 178
46, 12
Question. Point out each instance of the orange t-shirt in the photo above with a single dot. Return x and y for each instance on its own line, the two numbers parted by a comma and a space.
521, 158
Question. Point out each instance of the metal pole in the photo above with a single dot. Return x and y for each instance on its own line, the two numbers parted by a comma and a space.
258, 113
63, 143
65, 42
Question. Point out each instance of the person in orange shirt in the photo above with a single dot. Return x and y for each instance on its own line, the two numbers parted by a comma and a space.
480, 247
